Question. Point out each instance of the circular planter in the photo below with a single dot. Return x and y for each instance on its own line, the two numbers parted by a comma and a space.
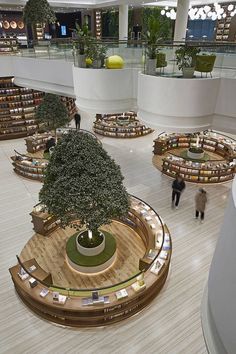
93, 251
198, 155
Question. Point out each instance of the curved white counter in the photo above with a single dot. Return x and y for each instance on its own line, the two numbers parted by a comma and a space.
177, 104
105, 91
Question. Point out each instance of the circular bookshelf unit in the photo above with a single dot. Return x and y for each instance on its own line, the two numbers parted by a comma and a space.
57, 292
205, 157
120, 125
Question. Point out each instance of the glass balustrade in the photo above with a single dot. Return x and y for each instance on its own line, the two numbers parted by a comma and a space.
134, 54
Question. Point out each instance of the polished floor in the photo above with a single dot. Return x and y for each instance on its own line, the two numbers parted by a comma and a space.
172, 324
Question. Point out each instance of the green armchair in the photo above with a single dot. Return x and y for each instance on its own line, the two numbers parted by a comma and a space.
205, 63
161, 62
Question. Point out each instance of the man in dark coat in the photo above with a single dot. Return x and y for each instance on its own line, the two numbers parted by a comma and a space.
77, 118
177, 188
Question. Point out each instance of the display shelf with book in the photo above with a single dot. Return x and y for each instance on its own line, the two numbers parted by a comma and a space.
17, 109
8, 45
43, 222
29, 167
37, 142
70, 105
190, 171
221, 168
223, 25
121, 125
209, 140
105, 305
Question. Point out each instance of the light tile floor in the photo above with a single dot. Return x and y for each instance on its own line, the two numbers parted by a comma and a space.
171, 325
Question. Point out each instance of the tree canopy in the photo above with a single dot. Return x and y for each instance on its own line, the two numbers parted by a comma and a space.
83, 182
52, 112
38, 11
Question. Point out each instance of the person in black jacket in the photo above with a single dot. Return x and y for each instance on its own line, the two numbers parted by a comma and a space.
77, 118
177, 188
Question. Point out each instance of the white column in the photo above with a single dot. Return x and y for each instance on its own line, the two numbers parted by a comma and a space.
181, 20
123, 22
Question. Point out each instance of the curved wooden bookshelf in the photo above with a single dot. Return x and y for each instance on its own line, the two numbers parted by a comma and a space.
212, 171
119, 125
17, 109
29, 167
116, 302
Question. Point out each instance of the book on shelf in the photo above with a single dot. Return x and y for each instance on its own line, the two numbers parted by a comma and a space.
152, 254
44, 292
121, 294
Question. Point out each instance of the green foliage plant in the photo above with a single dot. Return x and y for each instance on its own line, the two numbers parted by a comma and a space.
52, 113
186, 56
82, 182
83, 38
152, 37
38, 11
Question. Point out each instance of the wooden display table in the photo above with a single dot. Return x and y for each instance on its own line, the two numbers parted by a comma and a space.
211, 171
37, 142
115, 302
44, 223
120, 125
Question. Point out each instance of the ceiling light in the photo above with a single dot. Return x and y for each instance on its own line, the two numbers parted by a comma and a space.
207, 9
214, 16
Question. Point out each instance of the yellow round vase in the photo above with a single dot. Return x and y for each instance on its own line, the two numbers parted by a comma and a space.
114, 62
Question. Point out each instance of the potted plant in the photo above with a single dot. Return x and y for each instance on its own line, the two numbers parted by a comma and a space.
52, 113
186, 59
83, 37
83, 183
152, 37
38, 12
97, 52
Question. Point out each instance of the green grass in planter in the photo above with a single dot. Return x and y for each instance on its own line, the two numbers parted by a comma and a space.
91, 261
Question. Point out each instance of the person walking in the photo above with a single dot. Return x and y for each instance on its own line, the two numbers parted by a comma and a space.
200, 204
177, 188
77, 119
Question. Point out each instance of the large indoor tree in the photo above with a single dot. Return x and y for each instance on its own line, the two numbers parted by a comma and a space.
52, 112
38, 12
84, 183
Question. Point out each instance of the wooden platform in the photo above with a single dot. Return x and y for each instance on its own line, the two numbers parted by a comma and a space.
50, 254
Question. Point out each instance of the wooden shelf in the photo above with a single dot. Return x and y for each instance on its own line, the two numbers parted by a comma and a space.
111, 125
198, 172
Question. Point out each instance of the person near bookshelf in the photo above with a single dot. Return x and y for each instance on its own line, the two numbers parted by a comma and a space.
200, 204
178, 187
77, 119
50, 143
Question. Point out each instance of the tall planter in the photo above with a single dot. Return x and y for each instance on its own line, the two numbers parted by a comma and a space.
81, 60
150, 66
97, 64
188, 72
